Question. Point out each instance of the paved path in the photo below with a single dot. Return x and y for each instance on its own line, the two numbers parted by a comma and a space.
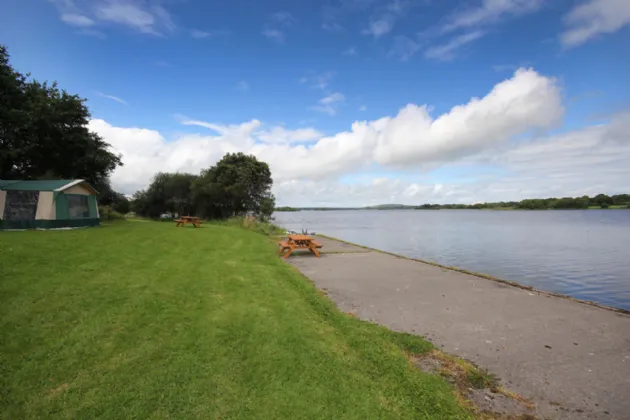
570, 358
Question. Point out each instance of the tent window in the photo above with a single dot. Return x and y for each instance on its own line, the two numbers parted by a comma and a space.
78, 206
21, 205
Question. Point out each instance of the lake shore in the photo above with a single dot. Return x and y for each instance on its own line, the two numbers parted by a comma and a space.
571, 359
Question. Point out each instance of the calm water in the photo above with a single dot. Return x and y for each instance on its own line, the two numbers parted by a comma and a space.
585, 254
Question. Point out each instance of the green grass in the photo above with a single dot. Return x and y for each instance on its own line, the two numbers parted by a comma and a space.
143, 320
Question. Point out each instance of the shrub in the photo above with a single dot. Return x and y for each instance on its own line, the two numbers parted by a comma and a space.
106, 213
256, 225
604, 205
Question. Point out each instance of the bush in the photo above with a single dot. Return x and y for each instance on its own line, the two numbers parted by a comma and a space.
604, 205
256, 225
106, 213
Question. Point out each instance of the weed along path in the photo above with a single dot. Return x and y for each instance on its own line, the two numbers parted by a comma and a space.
570, 359
143, 320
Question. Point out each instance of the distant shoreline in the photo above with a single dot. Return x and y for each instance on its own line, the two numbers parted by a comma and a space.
297, 209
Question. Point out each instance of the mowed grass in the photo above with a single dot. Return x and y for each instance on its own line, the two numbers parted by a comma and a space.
143, 320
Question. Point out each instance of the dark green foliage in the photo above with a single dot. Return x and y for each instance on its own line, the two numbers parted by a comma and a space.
621, 199
43, 132
107, 213
600, 200
168, 193
237, 185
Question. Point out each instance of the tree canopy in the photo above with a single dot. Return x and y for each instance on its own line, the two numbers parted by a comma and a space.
237, 185
44, 134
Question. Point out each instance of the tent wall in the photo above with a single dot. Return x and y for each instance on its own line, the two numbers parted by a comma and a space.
77, 189
45, 206
3, 196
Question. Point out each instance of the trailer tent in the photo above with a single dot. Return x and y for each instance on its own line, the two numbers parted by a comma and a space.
47, 204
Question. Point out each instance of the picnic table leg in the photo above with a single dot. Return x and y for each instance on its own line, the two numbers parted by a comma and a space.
288, 252
314, 250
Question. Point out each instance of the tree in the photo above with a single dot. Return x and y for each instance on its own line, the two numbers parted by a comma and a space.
237, 185
601, 199
168, 192
44, 134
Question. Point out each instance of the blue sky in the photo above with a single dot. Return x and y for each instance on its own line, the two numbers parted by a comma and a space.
320, 90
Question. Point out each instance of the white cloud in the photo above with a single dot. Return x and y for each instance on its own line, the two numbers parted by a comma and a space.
317, 80
447, 51
275, 25
350, 51
75, 19
113, 98
274, 34
306, 165
282, 135
380, 26
587, 161
472, 23
404, 48
147, 17
592, 18
283, 18
329, 103
526, 102
490, 11
196, 33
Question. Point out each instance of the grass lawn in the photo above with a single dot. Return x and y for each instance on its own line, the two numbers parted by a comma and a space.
143, 320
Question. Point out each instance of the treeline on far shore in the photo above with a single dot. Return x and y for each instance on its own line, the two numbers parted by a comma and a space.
600, 201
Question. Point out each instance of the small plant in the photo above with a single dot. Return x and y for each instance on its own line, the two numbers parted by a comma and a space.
481, 378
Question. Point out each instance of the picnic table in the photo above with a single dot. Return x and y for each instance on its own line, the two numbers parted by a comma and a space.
188, 219
294, 242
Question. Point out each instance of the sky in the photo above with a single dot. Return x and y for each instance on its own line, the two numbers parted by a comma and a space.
350, 102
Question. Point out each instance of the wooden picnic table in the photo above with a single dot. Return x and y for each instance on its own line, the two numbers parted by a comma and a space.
183, 220
294, 242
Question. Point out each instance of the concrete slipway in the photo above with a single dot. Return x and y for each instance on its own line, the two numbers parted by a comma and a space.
571, 359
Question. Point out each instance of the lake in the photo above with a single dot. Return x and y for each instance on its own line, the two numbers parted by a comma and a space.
580, 253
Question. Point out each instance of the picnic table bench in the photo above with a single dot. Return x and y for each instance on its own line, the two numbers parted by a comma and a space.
188, 219
294, 242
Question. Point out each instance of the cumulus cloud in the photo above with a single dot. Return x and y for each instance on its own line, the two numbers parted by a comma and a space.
310, 168
515, 106
282, 135
592, 18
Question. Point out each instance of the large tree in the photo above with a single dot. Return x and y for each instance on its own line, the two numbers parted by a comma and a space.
237, 185
168, 192
44, 134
